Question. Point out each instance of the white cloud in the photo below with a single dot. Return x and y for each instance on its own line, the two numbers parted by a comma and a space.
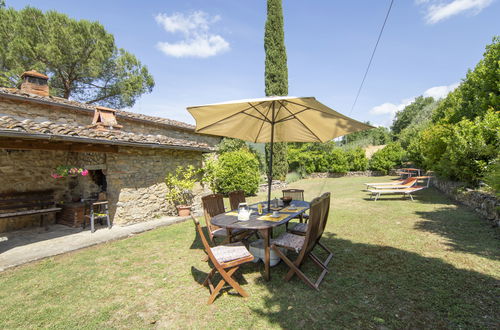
440, 92
195, 27
390, 109
438, 10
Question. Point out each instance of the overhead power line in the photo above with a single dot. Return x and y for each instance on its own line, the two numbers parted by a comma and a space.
371, 58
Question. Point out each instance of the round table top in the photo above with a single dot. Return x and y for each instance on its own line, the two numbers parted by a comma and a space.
225, 220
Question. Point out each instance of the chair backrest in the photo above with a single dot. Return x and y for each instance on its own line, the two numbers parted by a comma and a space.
213, 205
235, 198
204, 240
315, 215
325, 211
296, 194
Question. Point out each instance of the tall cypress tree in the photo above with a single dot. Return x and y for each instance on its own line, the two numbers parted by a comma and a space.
276, 76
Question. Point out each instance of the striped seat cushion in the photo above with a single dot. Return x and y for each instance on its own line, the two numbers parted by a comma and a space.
290, 241
230, 252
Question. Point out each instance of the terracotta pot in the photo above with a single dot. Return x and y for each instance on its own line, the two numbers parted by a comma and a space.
184, 210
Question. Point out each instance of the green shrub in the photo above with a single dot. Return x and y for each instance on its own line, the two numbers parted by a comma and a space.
180, 185
356, 159
236, 170
336, 161
293, 176
391, 156
464, 151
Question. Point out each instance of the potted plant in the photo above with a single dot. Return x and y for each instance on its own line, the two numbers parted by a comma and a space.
62, 171
180, 188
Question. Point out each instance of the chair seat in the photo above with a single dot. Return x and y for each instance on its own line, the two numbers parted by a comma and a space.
289, 241
230, 252
300, 227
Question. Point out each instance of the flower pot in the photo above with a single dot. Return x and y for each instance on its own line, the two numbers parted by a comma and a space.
184, 210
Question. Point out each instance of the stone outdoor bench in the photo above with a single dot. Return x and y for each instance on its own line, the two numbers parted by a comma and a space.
19, 204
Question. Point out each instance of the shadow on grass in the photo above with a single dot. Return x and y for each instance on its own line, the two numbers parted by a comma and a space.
464, 230
379, 286
375, 287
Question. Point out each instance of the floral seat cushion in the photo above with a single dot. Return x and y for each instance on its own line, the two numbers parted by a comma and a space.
230, 252
290, 241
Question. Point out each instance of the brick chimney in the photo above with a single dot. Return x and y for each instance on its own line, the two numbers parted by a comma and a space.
105, 118
35, 83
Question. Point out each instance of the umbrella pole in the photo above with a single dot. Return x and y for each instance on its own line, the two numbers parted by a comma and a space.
270, 177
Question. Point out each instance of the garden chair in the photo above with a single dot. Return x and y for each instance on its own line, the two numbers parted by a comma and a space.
226, 260
303, 245
298, 195
235, 198
213, 205
301, 228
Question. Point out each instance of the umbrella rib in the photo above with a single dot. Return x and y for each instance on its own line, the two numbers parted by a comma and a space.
218, 121
260, 129
258, 118
292, 115
300, 121
263, 116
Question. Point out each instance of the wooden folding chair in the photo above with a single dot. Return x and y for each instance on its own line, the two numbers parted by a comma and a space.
235, 198
298, 195
303, 245
226, 260
213, 205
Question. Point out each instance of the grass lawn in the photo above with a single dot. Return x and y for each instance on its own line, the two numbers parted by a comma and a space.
398, 264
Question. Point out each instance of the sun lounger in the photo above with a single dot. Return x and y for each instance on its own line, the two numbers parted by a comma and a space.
405, 191
405, 184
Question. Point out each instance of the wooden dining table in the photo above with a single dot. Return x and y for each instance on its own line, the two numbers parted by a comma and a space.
229, 221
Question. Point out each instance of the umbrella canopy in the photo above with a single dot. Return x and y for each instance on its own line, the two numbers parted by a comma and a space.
295, 119
274, 119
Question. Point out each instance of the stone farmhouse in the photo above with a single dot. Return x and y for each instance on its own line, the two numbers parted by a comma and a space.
126, 154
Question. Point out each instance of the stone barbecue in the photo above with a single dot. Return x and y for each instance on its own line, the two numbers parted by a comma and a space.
127, 155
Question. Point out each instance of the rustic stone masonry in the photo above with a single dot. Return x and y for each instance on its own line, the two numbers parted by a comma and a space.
485, 204
353, 173
135, 180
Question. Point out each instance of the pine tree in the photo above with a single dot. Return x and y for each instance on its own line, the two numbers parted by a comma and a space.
276, 76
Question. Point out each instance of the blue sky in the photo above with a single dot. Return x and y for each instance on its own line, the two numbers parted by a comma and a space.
202, 51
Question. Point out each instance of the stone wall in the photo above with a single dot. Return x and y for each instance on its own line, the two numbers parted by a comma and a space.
136, 187
354, 173
485, 204
29, 170
40, 112
135, 180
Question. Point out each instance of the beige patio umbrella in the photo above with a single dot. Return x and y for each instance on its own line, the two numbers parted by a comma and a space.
274, 119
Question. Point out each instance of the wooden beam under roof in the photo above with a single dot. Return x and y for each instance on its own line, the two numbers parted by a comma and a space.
17, 144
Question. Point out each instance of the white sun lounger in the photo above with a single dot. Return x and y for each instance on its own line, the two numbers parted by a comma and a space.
405, 191
405, 184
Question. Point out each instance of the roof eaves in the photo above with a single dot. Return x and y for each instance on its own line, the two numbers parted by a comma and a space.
54, 137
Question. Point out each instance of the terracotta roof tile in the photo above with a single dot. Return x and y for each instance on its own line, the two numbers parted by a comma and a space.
10, 123
120, 113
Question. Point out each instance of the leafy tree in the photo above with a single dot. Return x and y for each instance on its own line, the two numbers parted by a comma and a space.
2, 3
356, 159
375, 136
230, 144
276, 76
391, 156
478, 93
80, 57
406, 116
